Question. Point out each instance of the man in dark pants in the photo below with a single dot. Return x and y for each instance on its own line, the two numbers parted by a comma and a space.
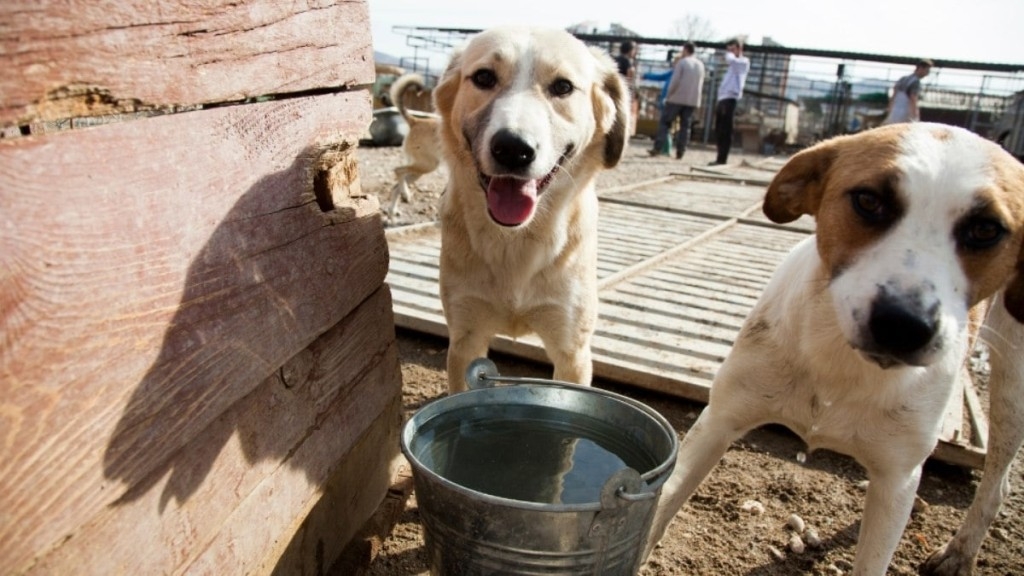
729, 91
681, 99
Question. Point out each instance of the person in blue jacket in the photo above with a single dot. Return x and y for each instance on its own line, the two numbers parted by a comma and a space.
665, 77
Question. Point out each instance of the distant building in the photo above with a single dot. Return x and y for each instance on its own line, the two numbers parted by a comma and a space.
764, 113
597, 29
768, 79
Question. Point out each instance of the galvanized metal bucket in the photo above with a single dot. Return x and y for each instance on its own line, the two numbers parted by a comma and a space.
483, 515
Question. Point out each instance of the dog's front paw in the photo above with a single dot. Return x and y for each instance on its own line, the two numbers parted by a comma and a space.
947, 561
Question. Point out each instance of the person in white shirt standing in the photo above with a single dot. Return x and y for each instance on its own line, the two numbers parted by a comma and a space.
903, 106
681, 100
729, 91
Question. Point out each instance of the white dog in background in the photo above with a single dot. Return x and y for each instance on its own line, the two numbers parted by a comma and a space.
528, 118
857, 341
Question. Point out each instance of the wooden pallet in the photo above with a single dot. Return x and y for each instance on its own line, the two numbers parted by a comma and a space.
681, 261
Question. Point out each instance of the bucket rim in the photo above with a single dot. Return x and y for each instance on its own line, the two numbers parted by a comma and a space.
659, 474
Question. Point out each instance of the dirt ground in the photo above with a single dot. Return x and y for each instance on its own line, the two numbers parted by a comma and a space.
714, 533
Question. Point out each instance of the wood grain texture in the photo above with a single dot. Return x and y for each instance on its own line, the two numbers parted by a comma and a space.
351, 500
261, 467
64, 59
152, 274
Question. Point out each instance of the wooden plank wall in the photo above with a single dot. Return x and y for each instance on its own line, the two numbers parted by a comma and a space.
68, 59
198, 370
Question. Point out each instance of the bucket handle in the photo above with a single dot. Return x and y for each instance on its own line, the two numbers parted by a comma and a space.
633, 496
625, 485
483, 373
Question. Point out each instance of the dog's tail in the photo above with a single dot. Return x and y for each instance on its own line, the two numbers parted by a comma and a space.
400, 86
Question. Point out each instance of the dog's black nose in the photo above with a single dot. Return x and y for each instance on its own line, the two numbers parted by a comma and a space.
902, 329
511, 151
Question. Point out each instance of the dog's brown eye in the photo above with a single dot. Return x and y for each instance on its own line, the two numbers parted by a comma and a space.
869, 206
980, 233
561, 87
484, 79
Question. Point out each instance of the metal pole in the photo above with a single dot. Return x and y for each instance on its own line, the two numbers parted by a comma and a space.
711, 98
973, 122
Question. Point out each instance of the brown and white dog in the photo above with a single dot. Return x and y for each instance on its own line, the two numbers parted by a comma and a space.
421, 146
858, 338
528, 118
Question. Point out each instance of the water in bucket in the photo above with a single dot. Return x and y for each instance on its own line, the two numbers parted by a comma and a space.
533, 454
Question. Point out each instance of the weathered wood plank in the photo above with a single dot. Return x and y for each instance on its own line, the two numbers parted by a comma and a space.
655, 375
678, 322
726, 272
251, 477
977, 418
711, 198
256, 533
357, 490
737, 174
657, 259
72, 59
659, 352
679, 302
408, 266
143, 296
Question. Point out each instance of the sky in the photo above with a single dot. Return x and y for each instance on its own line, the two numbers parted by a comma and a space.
938, 29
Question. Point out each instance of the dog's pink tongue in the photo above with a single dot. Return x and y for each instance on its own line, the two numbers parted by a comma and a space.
511, 200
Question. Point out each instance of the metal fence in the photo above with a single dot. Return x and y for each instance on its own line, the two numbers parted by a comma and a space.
794, 96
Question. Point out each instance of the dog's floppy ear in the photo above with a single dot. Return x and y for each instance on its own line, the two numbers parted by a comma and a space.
1009, 175
445, 91
1013, 296
797, 188
611, 108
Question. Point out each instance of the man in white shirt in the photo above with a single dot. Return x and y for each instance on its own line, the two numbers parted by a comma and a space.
729, 91
903, 106
681, 99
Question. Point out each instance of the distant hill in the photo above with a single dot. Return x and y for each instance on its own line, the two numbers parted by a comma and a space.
411, 65
801, 87
382, 58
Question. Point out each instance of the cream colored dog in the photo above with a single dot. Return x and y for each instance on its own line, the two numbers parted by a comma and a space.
528, 118
421, 146
858, 338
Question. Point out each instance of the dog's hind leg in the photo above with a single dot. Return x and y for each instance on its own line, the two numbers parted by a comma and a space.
398, 191
404, 182
415, 171
406, 174
732, 411
701, 449
1005, 337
